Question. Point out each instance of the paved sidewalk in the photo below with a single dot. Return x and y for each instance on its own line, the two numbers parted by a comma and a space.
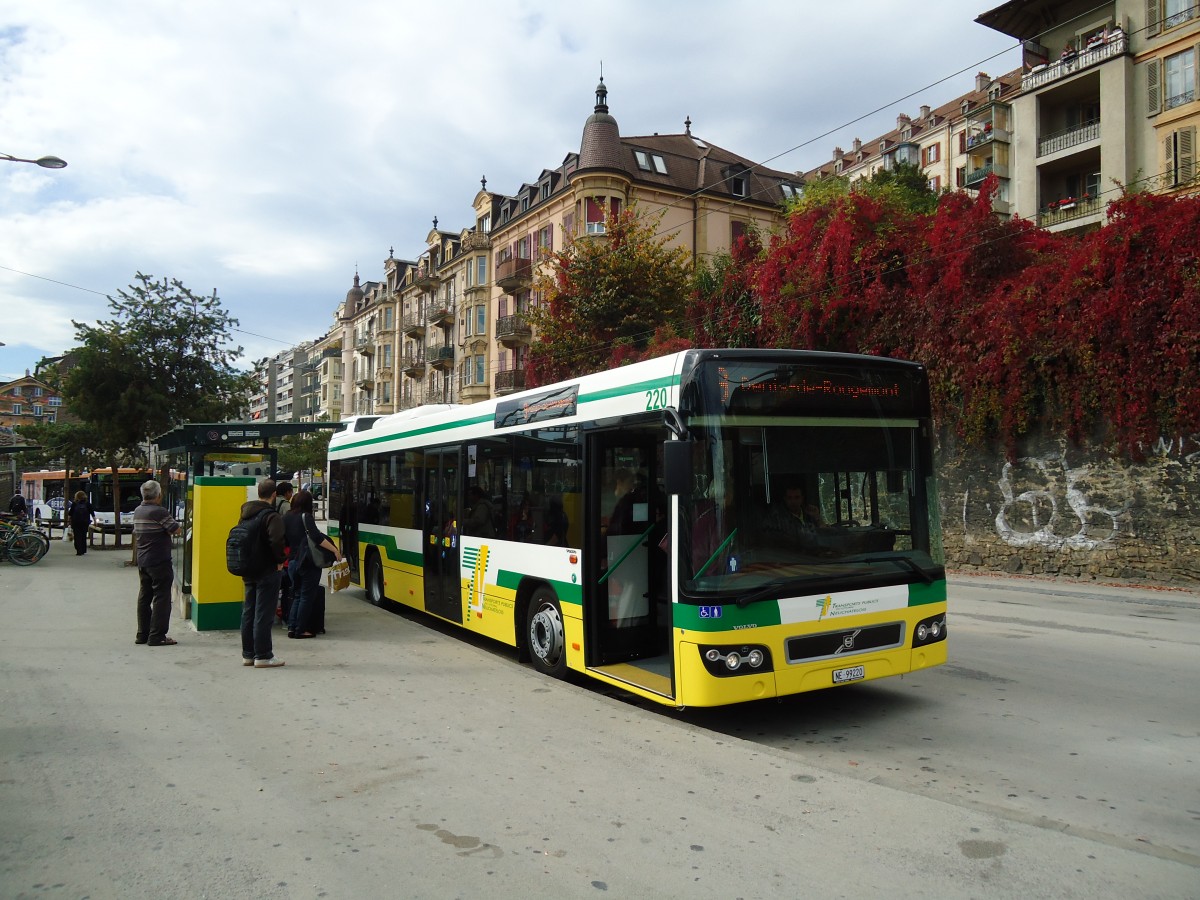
388, 759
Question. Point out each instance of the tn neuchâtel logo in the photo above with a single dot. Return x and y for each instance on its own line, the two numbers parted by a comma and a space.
824, 606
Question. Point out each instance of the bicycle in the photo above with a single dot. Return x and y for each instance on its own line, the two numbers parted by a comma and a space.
22, 543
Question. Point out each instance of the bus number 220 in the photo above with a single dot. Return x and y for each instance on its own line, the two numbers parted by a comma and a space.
656, 399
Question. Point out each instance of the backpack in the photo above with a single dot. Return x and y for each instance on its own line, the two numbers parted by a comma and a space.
244, 551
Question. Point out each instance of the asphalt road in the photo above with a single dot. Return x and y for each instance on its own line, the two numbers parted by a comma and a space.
389, 758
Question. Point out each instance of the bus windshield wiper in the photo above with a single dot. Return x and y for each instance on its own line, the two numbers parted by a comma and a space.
911, 563
761, 593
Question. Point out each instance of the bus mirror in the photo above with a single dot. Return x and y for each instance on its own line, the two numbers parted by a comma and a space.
895, 481
677, 467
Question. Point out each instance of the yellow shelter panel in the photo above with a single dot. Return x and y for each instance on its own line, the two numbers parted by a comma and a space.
216, 507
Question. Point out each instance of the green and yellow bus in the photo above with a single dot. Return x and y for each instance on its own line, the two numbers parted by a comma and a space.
706, 528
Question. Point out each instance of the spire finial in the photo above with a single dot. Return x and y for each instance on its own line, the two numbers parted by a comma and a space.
687, 125
483, 182
435, 223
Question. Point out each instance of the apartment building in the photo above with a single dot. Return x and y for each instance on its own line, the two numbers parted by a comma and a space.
28, 401
956, 145
1108, 98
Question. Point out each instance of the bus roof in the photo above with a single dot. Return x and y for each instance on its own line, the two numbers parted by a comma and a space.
624, 390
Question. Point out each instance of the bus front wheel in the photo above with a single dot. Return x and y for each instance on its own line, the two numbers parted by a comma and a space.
375, 591
547, 644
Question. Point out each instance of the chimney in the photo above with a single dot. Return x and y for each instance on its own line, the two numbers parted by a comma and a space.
982, 80
857, 145
838, 153
924, 112
902, 120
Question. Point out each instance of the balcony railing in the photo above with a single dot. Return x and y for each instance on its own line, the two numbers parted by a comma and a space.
1067, 210
441, 357
441, 312
510, 380
975, 177
413, 362
414, 323
514, 273
426, 279
1040, 76
364, 345
476, 240
513, 330
1070, 137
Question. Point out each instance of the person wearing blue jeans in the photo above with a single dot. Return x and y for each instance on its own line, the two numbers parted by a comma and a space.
262, 588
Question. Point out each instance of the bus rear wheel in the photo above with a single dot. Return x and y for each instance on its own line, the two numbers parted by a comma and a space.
375, 590
547, 643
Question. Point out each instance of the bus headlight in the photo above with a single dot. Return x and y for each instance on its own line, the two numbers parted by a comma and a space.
746, 659
930, 631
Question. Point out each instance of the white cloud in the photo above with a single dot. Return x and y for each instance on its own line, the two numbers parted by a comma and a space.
267, 149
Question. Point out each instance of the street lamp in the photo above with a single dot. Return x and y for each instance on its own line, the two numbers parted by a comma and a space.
46, 162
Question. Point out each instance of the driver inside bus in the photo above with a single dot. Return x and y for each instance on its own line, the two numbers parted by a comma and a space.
794, 522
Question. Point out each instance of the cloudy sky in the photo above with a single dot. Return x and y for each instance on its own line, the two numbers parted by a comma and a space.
266, 149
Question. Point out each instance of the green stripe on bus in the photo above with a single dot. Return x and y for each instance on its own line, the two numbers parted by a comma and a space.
387, 545
757, 615
620, 390
595, 396
508, 580
222, 480
920, 594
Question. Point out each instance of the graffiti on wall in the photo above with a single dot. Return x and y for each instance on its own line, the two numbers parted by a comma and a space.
1048, 503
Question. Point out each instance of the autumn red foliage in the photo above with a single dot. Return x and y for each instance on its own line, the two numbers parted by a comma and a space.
1094, 336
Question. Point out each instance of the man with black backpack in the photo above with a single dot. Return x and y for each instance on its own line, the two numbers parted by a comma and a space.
256, 551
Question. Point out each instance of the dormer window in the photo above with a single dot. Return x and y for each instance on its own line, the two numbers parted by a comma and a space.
791, 191
545, 190
525, 203
737, 185
650, 162
485, 223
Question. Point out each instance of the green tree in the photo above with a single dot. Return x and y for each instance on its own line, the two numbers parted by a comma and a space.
161, 359
904, 184
304, 451
608, 300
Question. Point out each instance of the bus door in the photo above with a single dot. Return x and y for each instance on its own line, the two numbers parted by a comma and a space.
439, 534
629, 611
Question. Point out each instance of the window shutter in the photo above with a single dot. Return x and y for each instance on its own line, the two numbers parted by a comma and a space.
1154, 86
1185, 156
1169, 156
962, 142
1153, 24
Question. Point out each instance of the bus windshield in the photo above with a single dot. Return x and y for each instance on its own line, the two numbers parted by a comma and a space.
803, 477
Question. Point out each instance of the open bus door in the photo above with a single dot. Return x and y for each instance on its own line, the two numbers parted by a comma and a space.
629, 611
439, 534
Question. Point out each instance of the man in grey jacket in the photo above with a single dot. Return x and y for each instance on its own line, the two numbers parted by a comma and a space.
153, 526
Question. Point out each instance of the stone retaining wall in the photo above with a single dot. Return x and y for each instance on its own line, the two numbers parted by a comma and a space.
1057, 510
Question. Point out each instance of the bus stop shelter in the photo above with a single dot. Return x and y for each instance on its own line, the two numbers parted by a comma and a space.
215, 468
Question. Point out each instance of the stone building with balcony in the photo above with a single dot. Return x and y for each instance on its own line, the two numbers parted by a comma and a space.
1107, 98
703, 196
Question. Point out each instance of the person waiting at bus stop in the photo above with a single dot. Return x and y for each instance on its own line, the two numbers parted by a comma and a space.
81, 516
261, 590
17, 506
153, 526
300, 527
